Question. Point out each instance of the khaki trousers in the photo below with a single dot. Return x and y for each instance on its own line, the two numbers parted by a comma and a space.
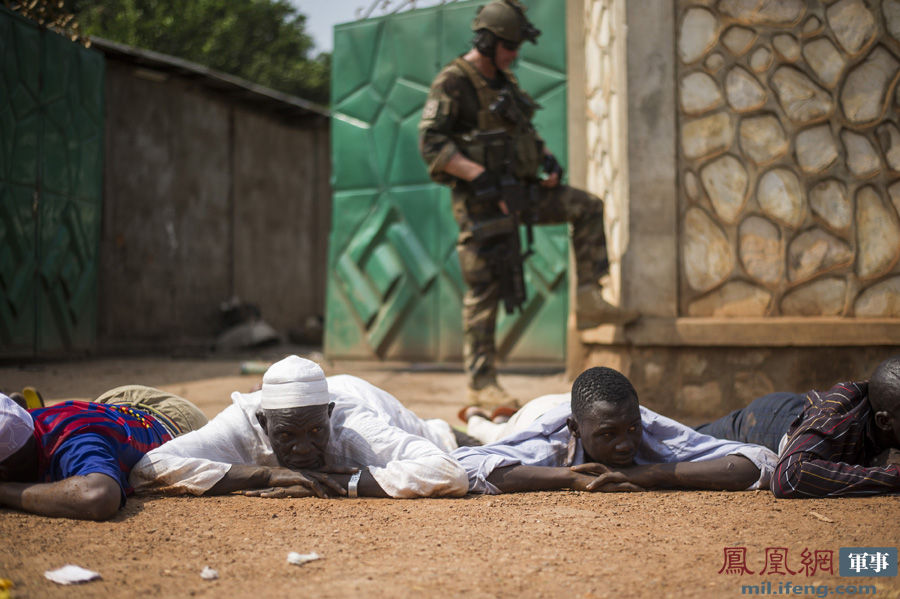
177, 414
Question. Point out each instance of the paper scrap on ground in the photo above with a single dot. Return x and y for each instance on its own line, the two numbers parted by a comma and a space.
71, 574
298, 559
208, 573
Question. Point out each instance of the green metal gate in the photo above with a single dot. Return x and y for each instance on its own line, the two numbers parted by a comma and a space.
394, 286
51, 178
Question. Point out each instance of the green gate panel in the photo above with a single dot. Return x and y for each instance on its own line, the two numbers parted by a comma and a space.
51, 181
395, 289
17, 267
20, 126
19, 113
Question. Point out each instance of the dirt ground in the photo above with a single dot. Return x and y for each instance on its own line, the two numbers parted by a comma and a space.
653, 544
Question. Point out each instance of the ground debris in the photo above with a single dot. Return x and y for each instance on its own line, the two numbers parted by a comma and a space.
819, 516
298, 559
71, 574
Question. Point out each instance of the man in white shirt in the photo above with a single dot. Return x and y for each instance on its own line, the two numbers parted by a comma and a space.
605, 441
303, 435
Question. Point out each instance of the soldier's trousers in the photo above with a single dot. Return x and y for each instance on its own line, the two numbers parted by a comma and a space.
561, 204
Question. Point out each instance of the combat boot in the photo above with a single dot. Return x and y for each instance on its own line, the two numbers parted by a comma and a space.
491, 396
592, 310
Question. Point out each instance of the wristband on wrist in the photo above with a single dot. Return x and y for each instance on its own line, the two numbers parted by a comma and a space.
353, 485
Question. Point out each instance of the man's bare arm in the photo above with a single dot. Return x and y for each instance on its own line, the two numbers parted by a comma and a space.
242, 477
512, 479
366, 487
731, 473
461, 167
95, 496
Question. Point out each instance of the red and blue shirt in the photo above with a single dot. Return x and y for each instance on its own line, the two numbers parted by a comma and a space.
76, 438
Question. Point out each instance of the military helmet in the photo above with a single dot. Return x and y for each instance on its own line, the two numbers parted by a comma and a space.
506, 19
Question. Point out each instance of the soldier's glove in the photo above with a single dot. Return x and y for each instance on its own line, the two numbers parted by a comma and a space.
485, 187
550, 166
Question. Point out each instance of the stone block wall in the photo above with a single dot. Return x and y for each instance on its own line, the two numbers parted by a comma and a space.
789, 157
604, 125
748, 152
699, 384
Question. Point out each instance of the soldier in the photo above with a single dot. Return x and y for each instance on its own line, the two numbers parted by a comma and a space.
473, 101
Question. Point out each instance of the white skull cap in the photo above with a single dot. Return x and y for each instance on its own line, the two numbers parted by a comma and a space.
294, 382
16, 427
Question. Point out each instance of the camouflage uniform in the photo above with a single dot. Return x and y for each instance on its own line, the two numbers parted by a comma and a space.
455, 108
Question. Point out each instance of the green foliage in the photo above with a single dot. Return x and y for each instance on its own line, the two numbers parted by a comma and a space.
263, 41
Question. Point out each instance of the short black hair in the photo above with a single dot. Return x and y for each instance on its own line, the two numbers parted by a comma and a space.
600, 384
884, 386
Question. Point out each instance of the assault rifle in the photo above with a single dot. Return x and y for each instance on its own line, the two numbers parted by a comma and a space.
499, 236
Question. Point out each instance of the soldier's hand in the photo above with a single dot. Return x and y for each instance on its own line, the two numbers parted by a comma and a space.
551, 181
553, 169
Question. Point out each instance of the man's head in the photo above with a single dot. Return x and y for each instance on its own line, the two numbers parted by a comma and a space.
500, 28
884, 397
295, 412
18, 448
606, 416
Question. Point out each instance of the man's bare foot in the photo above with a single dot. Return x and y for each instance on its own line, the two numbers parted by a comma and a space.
469, 411
502, 414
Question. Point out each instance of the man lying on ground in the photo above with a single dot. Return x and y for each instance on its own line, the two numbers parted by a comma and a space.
303, 435
603, 440
844, 441
72, 459
765, 420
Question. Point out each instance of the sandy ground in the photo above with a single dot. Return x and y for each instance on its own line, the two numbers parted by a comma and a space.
654, 544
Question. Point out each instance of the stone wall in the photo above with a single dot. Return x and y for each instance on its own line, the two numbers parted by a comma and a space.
698, 384
749, 155
789, 158
606, 161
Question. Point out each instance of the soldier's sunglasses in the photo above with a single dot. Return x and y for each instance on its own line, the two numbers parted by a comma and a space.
511, 46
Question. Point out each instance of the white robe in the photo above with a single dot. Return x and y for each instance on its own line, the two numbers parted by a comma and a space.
406, 455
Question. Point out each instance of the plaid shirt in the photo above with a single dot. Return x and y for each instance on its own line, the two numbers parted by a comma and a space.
828, 447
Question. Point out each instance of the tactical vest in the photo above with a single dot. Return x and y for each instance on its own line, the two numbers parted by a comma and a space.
512, 113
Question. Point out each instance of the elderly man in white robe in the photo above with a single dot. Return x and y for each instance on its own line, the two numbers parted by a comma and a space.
304, 435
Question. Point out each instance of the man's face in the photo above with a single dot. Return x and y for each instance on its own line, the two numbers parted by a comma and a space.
506, 53
298, 436
610, 434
